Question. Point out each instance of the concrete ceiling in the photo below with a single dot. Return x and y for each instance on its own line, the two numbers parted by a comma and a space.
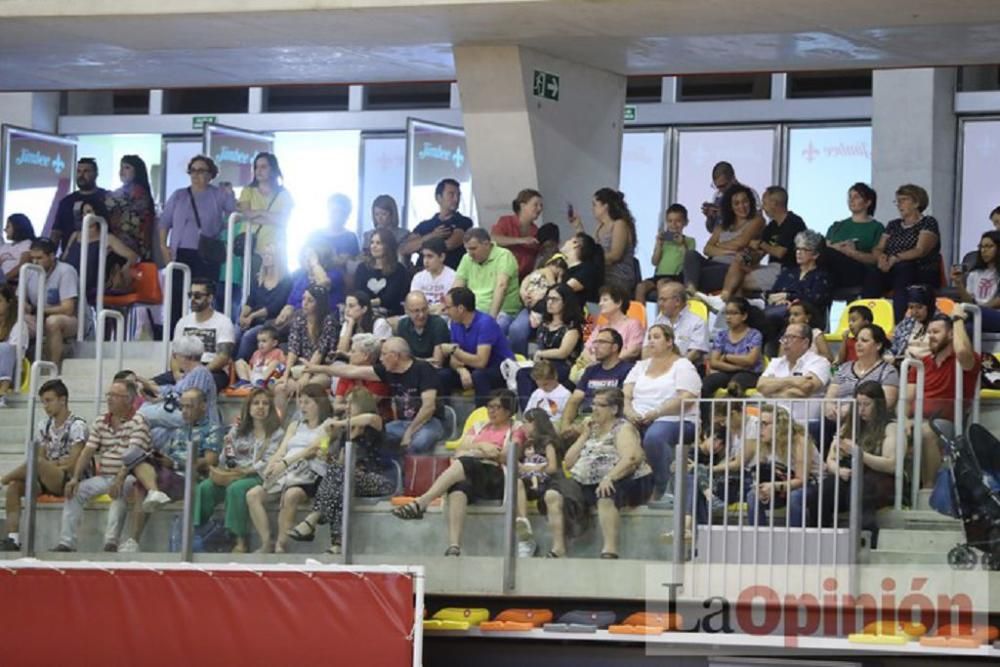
262, 42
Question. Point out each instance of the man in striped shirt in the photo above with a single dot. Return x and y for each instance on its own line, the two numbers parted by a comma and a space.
111, 436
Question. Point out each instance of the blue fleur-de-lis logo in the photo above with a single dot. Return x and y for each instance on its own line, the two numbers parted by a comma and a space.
458, 158
58, 164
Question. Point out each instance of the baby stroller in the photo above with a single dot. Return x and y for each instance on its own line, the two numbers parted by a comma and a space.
975, 462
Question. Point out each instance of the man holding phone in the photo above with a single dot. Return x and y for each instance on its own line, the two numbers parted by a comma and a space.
447, 224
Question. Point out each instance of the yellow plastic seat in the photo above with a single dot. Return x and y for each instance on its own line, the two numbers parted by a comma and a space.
467, 615
435, 624
698, 308
989, 394
476, 416
881, 311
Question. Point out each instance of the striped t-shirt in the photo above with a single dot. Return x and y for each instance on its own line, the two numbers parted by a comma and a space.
111, 443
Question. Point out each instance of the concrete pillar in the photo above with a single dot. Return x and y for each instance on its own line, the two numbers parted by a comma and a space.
913, 141
566, 148
34, 111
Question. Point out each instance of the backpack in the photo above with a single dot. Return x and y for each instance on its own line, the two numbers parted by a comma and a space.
210, 537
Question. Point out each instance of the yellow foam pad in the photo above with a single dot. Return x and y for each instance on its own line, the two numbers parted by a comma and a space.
470, 615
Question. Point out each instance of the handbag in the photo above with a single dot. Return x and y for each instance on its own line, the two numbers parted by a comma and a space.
943, 494
210, 250
222, 477
419, 472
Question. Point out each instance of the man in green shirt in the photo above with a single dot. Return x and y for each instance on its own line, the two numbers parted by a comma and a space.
491, 273
421, 330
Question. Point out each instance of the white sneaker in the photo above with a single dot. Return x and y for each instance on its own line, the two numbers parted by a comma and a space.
129, 546
3, 401
523, 529
713, 301
154, 500
526, 548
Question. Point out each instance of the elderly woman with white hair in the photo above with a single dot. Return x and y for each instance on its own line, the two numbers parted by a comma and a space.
162, 411
365, 349
806, 282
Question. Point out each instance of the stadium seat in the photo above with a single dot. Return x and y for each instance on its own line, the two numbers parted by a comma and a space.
636, 311
476, 416
470, 615
945, 305
146, 288
881, 309
698, 308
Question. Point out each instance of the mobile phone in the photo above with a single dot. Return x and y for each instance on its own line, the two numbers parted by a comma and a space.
570, 211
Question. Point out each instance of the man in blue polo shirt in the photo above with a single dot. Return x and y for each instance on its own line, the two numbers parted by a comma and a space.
477, 348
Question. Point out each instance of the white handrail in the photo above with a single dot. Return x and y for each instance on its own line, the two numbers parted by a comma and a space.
168, 304
977, 346
22, 299
31, 449
102, 260
918, 423
102, 318
230, 254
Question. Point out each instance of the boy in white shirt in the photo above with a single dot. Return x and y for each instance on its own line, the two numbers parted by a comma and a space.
436, 278
550, 395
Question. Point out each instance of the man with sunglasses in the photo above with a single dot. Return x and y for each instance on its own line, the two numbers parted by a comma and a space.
215, 331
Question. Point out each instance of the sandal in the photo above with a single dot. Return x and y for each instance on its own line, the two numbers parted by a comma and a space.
334, 549
304, 532
552, 554
608, 555
453, 550
409, 511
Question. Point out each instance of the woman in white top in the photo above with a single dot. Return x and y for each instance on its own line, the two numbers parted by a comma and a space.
294, 472
982, 285
13, 340
654, 391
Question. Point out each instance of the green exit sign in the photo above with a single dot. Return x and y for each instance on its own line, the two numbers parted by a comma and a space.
630, 113
546, 85
199, 122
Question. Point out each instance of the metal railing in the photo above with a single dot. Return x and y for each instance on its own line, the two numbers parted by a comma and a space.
102, 260
230, 254
743, 532
31, 452
918, 435
977, 346
22, 300
168, 304
102, 318
511, 480
350, 461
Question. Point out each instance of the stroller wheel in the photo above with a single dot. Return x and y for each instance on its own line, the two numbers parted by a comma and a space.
962, 557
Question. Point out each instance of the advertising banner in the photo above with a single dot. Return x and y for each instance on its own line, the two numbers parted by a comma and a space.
233, 151
38, 171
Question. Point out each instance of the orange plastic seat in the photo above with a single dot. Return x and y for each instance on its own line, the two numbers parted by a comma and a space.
145, 284
635, 629
536, 617
48, 498
988, 632
636, 311
506, 626
665, 620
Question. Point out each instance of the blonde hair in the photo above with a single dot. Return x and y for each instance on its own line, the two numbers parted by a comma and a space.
668, 333
783, 426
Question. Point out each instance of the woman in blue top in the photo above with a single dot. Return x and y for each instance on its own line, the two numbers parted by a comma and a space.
736, 360
269, 293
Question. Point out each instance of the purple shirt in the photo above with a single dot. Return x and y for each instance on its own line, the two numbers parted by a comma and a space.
751, 339
214, 206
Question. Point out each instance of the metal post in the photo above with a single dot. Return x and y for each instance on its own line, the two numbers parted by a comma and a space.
918, 416
102, 259
31, 448
230, 253
418, 617
977, 346
854, 517
248, 260
168, 304
187, 547
102, 318
350, 460
509, 513
680, 481
22, 300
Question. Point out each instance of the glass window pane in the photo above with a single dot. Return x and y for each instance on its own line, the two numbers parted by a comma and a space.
39, 169
316, 165
108, 150
384, 172
823, 162
179, 154
642, 179
980, 145
751, 152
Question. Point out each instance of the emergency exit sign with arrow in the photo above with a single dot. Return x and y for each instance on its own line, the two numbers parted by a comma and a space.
546, 85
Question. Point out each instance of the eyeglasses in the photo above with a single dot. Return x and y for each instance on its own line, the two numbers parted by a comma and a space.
785, 338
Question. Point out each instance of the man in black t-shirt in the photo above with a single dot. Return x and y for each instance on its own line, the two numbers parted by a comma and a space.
447, 224
414, 388
68, 214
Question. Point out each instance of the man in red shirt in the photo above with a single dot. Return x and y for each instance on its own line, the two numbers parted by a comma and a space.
949, 344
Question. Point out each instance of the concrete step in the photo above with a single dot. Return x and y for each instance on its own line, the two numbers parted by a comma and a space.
880, 557
917, 520
929, 541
